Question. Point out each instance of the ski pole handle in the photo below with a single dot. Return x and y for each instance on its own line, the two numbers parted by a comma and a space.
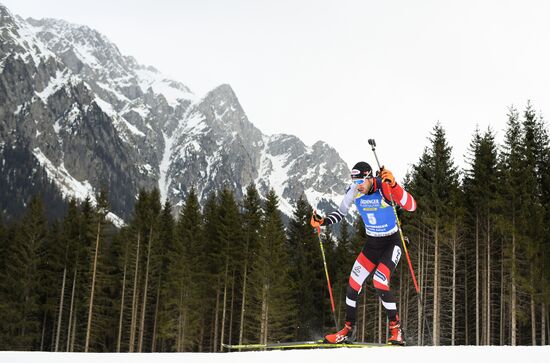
372, 143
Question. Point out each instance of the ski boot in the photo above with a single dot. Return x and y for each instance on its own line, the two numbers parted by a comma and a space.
396, 333
344, 336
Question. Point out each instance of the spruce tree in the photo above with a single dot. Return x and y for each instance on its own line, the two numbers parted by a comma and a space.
3, 245
232, 247
252, 219
123, 244
543, 166
98, 304
307, 272
151, 251
434, 184
167, 247
53, 275
166, 232
510, 166
76, 252
184, 283
272, 289
481, 197
212, 281
138, 239
535, 142
86, 230
20, 286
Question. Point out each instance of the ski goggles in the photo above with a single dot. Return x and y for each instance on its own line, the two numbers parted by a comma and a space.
361, 181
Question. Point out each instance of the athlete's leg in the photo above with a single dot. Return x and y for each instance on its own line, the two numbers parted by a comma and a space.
382, 275
363, 266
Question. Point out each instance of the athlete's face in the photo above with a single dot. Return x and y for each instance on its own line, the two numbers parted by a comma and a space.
363, 185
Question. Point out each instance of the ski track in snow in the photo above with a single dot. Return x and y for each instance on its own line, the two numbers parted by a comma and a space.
447, 354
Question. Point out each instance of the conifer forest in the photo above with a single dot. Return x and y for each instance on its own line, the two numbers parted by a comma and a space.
235, 271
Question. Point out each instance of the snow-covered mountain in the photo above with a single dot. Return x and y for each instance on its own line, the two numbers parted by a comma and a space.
88, 117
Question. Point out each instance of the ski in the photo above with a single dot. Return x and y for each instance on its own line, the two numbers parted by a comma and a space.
314, 344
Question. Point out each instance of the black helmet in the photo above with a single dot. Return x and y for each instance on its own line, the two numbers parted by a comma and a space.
361, 170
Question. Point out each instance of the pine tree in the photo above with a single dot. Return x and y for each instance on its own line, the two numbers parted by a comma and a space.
535, 142
99, 220
86, 230
252, 219
307, 272
271, 286
232, 246
123, 248
184, 309
167, 247
3, 245
481, 196
138, 239
523, 170
53, 275
3, 262
211, 279
434, 184
544, 181
20, 284
510, 166
154, 249
76, 251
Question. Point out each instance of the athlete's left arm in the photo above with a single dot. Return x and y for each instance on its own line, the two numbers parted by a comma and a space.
400, 196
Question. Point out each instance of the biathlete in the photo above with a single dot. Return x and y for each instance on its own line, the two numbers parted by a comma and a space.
382, 250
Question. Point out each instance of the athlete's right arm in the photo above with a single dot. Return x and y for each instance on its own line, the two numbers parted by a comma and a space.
346, 204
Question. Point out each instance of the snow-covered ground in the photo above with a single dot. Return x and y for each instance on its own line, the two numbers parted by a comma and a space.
468, 354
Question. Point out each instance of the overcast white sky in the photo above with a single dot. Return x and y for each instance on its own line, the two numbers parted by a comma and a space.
341, 71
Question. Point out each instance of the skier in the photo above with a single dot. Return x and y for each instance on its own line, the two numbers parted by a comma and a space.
382, 249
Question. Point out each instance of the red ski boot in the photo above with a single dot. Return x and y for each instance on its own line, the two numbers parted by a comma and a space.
396, 334
346, 335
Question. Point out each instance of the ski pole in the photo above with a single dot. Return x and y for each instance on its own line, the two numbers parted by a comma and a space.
372, 143
326, 274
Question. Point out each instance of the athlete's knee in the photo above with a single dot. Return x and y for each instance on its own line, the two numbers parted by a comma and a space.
381, 279
383, 294
351, 293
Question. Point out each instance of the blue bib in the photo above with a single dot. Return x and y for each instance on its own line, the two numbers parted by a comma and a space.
377, 214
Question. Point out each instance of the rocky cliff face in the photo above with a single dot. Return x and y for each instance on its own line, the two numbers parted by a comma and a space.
91, 117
